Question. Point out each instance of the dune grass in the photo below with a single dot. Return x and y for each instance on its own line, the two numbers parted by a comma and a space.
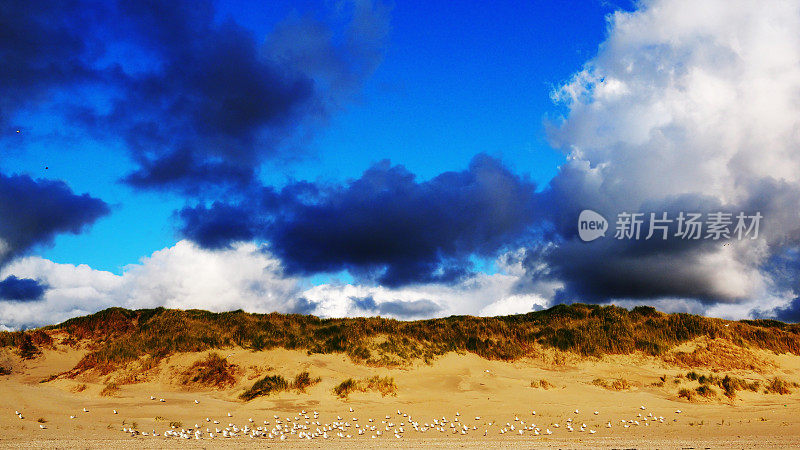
617, 384
272, 384
212, 371
110, 390
121, 336
542, 384
384, 385
780, 386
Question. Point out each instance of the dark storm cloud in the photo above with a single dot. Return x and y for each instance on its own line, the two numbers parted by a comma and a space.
212, 108
402, 309
416, 308
783, 266
364, 303
789, 313
21, 289
34, 211
609, 268
384, 226
42, 50
199, 100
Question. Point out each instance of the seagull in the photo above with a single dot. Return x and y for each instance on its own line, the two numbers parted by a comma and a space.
115, 411
85, 410
196, 402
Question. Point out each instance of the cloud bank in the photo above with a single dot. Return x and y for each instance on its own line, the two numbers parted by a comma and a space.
684, 108
385, 226
244, 277
199, 100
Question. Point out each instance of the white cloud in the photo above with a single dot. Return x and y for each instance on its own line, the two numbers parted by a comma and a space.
695, 99
183, 276
186, 276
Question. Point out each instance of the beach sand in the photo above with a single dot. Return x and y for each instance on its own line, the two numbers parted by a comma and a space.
498, 392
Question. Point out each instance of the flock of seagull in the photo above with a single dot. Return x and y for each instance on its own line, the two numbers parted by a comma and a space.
308, 425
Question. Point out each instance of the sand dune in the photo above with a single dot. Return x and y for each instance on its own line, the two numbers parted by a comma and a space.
572, 376
497, 392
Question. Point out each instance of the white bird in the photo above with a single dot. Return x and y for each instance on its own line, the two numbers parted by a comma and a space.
42, 427
115, 411
161, 399
196, 402
85, 410
596, 413
231, 415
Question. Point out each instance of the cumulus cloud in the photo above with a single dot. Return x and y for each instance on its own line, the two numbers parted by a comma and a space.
246, 277
34, 211
182, 276
384, 226
684, 108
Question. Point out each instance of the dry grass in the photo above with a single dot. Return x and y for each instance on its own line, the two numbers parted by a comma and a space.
384, 385
212, 371
780, 386
272, 384
618, 384
110, 390
119, 337
706, 391
303, 380
543, 384
720, 355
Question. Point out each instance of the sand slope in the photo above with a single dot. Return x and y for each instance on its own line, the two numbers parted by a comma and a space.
498, 392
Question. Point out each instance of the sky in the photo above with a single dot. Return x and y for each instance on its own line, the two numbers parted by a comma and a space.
408, 160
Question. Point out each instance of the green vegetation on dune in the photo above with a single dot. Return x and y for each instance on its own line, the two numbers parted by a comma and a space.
120, 336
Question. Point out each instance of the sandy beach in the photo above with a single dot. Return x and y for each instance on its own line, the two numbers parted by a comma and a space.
459, 400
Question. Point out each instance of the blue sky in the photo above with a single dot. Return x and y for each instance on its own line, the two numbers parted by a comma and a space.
455, 81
